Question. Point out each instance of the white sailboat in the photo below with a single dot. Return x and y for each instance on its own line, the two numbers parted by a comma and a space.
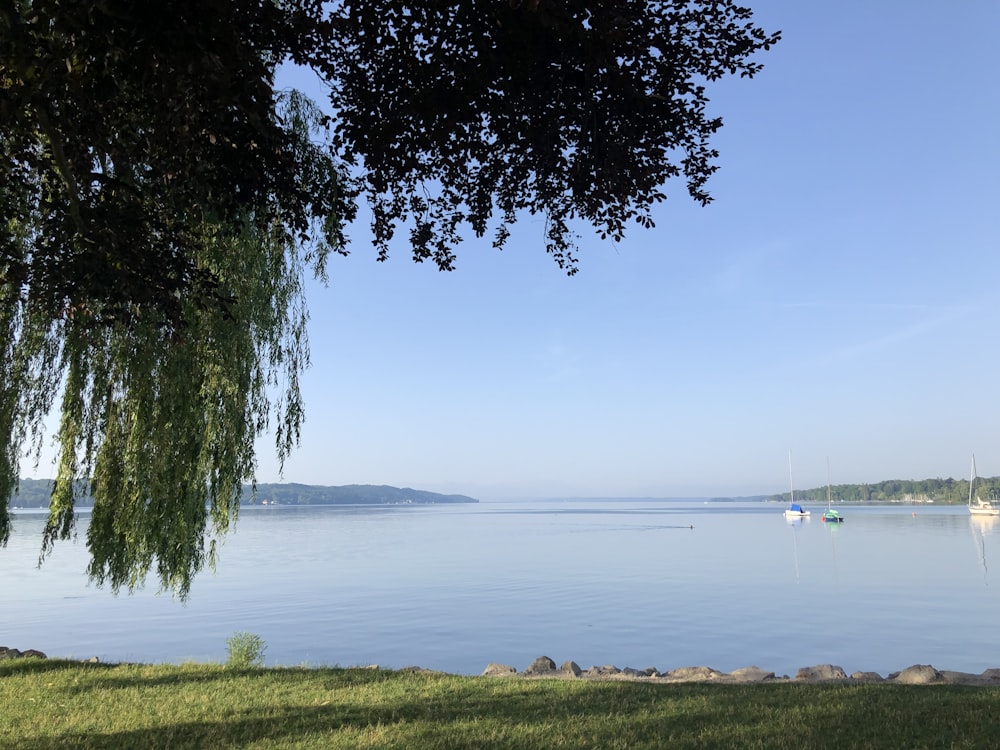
980, 507
794, 510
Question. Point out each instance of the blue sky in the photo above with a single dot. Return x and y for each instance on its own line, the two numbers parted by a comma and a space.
837, 299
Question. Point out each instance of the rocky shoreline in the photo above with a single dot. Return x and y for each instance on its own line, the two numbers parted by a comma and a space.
918, 674
545, 668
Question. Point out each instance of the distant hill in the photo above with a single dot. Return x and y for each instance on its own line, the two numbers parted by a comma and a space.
34, 493
350, 494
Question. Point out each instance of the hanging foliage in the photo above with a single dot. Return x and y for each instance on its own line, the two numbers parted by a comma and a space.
161, 205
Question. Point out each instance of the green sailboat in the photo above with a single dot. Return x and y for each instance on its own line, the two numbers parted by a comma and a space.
831, 515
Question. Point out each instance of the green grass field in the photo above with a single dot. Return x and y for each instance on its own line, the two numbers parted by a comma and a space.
61, 704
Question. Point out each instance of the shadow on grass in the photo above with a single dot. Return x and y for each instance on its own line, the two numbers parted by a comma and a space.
439, 711
273, 677
139, 676
445, 715
38, 666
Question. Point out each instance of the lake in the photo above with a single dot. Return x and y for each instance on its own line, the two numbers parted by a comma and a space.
635, 583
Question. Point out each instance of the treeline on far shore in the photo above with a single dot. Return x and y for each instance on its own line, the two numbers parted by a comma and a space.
937, 491
34, 493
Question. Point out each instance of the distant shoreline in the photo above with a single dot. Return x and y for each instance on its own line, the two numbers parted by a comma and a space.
34, 493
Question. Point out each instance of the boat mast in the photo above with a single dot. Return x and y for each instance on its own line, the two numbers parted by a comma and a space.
829, 503
972, 478
791, 484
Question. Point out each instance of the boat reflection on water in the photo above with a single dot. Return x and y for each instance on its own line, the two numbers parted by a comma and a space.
833, 529
982, 527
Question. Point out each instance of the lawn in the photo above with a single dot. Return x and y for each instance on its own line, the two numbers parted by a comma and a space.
63, 704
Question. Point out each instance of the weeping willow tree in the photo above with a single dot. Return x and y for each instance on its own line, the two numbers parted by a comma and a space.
157, 423
161, 205
159, 409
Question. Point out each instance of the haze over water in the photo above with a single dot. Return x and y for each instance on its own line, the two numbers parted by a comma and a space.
634, 583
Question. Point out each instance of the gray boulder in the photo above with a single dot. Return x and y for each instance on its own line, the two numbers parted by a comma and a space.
918, 674
751, 674
541, 665
866, 677
498, 670
821, 672
12, 653
693, 674
571, 668
608, 670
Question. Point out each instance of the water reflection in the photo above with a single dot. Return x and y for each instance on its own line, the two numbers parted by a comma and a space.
795, 524
833, 529
982, 527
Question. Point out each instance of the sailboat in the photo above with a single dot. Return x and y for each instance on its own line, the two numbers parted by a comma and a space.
794, 510
981, 507
831, 515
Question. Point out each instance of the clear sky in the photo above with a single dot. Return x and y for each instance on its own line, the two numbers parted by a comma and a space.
838, 299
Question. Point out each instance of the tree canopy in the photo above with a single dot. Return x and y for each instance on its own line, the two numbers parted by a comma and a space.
161, 203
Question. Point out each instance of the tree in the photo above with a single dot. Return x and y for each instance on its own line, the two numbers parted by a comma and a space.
162, 202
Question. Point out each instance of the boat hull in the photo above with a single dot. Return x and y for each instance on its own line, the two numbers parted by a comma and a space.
984, 511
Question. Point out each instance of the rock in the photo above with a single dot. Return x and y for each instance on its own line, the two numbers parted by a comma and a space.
541, 665
608, 670
571, 668
12, 653
918, 674
821, 672
693, 674
962, 678
498, 670
866, 677
751, 674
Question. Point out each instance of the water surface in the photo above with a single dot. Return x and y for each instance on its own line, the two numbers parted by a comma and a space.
630, 583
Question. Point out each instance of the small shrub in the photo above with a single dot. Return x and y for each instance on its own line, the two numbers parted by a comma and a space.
245, 650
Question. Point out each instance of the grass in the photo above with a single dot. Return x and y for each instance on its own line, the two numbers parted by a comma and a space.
61, 704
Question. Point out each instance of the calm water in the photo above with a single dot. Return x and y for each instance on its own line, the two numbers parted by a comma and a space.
629, 583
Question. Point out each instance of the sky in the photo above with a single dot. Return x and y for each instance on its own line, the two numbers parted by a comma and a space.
836, 302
